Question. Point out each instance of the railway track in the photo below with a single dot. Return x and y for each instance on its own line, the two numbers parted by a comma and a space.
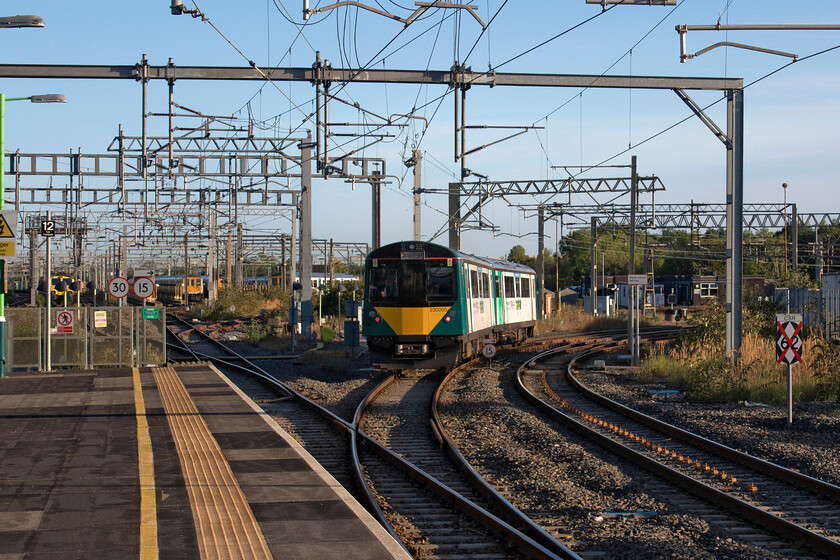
326, 437
466, 530
404, 474
803, 510
432, 506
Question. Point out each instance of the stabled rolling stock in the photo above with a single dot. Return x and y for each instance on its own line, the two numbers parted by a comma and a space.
205, 285
256, 283
179, 289
427, 306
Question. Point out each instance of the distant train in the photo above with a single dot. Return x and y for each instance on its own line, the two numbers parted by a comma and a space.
427, 306
319, 280
179, 289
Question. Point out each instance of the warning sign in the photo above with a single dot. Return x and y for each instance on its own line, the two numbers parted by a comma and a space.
8, 233
64, 322
100, 319
788, 339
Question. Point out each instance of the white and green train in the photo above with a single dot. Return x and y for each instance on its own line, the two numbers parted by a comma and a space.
427, 306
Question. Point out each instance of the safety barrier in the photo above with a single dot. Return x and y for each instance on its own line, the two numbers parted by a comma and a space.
86, 337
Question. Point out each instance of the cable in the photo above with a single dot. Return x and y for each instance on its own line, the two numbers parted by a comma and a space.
681, 121
480, 35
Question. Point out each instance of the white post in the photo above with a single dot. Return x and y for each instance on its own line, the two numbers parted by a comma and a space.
48, 348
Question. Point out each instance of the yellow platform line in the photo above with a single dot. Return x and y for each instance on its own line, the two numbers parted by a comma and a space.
146, 466
225, 525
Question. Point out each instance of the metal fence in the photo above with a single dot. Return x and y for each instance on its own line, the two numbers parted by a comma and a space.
85, 337
820, 309
69, 349
831, 313
112, 337
151, 336
24, 336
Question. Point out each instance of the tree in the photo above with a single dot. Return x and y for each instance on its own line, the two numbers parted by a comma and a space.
517, 255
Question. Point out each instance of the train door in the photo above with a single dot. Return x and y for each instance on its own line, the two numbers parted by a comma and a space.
498, 298
474, 294
484, 313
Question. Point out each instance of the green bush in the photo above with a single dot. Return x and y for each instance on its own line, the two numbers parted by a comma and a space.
257, 331
327, 334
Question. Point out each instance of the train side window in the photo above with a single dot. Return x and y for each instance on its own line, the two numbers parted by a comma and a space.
497, 284
526, 287
518, 287
509, 290
474, 284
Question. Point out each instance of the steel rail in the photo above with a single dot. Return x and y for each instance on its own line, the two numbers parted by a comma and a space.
520, 540
777, 471
530, 528
735, 505
282, 387
356, 437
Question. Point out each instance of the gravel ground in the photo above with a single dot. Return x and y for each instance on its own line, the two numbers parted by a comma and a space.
559, 476
811, 446
566, 481
340, 389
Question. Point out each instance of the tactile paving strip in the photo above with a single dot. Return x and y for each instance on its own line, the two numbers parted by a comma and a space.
225, 524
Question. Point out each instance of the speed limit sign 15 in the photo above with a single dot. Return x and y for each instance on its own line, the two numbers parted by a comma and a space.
143, 287
118, 287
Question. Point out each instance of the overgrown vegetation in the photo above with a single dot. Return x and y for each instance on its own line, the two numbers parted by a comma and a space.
257, 331
231, 302
572, 318
695, 362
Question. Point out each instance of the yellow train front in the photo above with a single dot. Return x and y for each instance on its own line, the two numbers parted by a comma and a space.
179, 290
427, 306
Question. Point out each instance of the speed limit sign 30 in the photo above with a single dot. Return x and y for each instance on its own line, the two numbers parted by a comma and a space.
118, 287
143, 287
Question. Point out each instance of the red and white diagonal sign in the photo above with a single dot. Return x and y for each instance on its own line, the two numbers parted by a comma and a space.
788, 339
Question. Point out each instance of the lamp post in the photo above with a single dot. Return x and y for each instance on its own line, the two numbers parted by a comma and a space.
48, 98
20, 21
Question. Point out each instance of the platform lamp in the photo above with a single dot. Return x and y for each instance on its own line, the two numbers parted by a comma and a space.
48, 98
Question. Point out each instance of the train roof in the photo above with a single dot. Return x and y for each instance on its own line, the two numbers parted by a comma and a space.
432, 250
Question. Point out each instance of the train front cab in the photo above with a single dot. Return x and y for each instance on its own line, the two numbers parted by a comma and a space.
413, 315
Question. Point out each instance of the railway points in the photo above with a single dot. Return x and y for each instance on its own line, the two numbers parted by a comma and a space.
164, 463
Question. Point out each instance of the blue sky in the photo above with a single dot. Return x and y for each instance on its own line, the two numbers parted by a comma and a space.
791, 117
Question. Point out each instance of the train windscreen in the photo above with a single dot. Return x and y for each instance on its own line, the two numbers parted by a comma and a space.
411, 283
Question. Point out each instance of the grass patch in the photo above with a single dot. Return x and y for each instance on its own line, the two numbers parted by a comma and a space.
573, 319
695, 362
699, 368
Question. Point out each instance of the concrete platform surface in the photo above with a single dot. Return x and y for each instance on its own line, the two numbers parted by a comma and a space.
164, 463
